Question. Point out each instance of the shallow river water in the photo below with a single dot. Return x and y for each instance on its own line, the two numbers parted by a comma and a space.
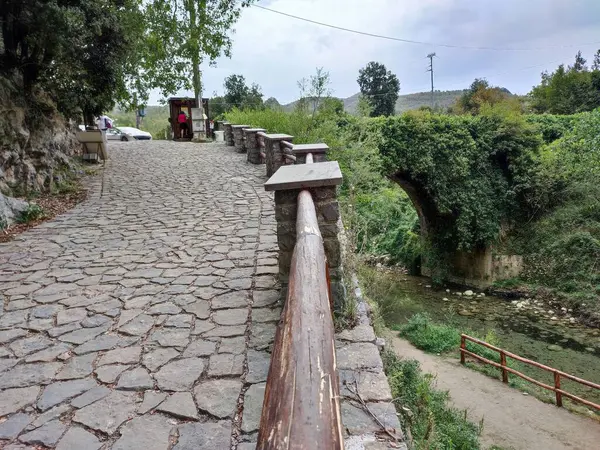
524, 327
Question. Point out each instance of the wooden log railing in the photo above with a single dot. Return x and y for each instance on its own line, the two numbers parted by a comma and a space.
301, 409
505, 370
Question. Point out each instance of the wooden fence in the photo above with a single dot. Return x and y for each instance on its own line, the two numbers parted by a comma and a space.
505, 370
301, 408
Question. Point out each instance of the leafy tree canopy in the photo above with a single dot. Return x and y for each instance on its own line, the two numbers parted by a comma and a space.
569, 90
481, 93
380, 88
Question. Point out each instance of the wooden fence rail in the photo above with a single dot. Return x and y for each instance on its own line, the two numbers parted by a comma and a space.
558, 374
301, 409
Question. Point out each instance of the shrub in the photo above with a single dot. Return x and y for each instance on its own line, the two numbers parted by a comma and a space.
33, 212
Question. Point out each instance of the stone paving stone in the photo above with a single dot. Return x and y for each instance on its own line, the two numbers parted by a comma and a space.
179, 404
224, 364
357, 421
209, 435
77, 367
358, 356
91, 396
127, 355
253, 400
49, 354
180, 375
76, 438
200, 347
29, 345
108, 414
137, 379
48, 434
150, 432
10, 428
58, 392
200, 308
230, 316
236, 345
109, 374
29, 374
51, 414
159, 357
218, 397
258, 366
235, 299
12, 400
172, 337
151, 400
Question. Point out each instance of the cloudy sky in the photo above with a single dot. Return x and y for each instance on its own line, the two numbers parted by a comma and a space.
275, 51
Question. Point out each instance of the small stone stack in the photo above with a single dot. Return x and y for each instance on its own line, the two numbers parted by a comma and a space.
238, 137
252, 144
228, 134
274, 151
321, 180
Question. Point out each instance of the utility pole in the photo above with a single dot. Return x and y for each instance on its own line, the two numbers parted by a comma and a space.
430, 69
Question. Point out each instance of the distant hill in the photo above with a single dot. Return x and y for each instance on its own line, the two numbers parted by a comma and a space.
442, 99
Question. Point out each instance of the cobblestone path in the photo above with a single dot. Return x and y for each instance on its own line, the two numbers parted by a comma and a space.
141, 319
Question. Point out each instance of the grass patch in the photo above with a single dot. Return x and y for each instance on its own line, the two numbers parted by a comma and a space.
427, 418
430, 337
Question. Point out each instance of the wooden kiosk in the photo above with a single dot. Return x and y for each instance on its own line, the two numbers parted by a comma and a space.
194, 124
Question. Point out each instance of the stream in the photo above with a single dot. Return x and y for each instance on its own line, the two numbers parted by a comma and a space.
524, 327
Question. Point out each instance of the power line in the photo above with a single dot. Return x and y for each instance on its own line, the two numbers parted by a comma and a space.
411, 41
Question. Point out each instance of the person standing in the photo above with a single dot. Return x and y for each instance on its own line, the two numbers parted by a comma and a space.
182, 121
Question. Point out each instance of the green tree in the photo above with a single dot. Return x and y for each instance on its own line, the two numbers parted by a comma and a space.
568, 91
76, 51
380, 88
313, 90
183, 34
240, 95
481, 93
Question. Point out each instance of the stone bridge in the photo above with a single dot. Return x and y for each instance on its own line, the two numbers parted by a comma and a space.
144, 317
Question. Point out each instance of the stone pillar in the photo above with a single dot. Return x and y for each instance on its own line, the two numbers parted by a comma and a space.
274, 151
228, 133
238, 137
319, 152
252, 144
321, 179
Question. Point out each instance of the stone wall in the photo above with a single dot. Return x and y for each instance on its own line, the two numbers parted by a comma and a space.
227, 127
253, 144
274, 151
35, 143
238, 137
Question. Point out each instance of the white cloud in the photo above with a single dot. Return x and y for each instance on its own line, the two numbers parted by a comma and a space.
275, 51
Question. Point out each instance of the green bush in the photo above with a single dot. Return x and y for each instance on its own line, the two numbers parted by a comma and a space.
33, 212
424, 410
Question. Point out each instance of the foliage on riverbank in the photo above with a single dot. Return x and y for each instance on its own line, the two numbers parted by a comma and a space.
527, 184
424, 410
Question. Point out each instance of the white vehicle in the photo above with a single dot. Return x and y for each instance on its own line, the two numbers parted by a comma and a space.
127, 134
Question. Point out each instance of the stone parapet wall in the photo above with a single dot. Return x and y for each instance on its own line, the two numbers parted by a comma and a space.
227, 127
238, 137
252, 142
274, 151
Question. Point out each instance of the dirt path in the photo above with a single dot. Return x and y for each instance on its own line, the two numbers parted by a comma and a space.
511, 419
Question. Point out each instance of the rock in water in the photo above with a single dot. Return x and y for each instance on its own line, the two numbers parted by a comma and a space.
468, 293
555, 348
10, 210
